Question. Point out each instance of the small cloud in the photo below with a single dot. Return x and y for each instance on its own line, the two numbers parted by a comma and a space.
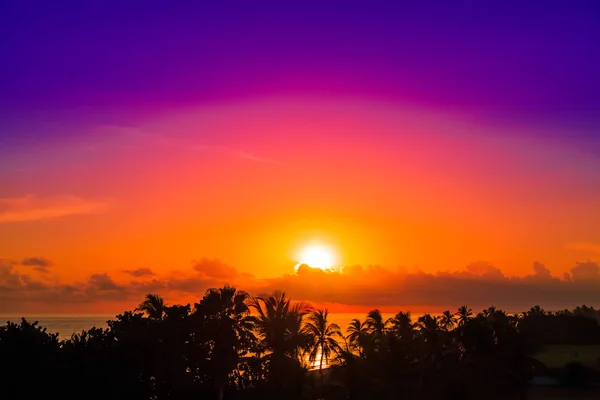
40, 264
484, 270
215, 269
36, 262
540, 271
140, 272
103, 282
33, 208
585, 271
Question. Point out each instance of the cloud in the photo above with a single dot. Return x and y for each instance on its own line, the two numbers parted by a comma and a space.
103, 282
19, 291
139, 272
485, 270
36, 262
40, 264
15, 285
355, 287
214, 269
585, 271
33, 208
479, 285
541, 272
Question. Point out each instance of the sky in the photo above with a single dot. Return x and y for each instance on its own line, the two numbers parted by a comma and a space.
445, 153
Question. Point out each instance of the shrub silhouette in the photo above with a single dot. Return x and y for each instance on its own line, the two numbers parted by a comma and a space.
230, 345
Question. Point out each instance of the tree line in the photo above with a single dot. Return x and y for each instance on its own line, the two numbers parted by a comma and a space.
231, 345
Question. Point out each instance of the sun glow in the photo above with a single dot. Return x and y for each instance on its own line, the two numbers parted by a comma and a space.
316, 256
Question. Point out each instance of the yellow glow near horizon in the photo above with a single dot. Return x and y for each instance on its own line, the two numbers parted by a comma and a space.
317, 256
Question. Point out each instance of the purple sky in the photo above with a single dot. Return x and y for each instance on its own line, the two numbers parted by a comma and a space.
534, 62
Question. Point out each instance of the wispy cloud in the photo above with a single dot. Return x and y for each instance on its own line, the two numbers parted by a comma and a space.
33, 208
40, 264
139, 272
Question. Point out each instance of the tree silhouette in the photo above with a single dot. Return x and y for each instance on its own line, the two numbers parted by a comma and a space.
28, 351
153, 305
375, 322
356, 334
278, 323
220, 350
323, 336
463, 314
229, 329
447, 320
278, 326
401, 325
376, 328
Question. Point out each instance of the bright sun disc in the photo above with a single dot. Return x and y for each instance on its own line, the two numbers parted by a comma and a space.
317, 256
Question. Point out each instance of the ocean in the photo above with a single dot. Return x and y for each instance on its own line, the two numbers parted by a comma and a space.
66, 325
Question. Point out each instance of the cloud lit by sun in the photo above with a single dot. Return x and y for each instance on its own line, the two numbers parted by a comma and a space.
317, 255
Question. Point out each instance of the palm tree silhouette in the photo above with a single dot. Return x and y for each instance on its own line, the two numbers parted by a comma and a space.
377, 334
279, 324
447, 320
356, 334
153, 305
428, 326
228, 320
375, 322
323, 336
464, 314
401, 325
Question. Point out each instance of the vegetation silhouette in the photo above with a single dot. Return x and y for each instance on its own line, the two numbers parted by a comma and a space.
323, 338
231, 345
153, 305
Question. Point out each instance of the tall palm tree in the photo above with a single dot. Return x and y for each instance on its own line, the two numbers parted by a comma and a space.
375, 322
225, 302
489, 312
431, 345
279, 324
376, 328
323, 336
464, 314
401, 325
447, 320
230, 330
356, 333
429, 326
153, 305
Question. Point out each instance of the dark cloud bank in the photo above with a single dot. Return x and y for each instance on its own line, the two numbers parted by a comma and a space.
479, 285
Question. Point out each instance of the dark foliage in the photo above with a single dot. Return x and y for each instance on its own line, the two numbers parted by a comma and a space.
219, 349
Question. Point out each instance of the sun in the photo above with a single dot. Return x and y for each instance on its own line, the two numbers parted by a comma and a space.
317, 256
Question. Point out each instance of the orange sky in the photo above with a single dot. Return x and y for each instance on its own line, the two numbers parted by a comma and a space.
249, 183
